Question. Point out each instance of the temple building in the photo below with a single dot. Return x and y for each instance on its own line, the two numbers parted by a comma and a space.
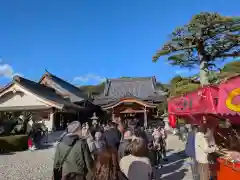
129, 98
51, 100
57, 102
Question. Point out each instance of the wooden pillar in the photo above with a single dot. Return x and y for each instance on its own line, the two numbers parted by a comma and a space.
145, 117
50, 123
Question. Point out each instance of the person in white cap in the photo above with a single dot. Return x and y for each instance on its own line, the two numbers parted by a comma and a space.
72, 156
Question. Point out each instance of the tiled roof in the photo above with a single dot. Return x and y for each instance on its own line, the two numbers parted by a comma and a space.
142, 88
44, 92
103, 100
75, 94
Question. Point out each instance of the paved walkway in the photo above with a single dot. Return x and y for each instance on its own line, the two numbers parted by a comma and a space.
177, 167
37, 165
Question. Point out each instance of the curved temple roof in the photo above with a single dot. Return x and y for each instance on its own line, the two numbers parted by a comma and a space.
141, 88
44, 92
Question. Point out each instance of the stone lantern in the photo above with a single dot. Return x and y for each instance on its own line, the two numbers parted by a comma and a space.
94, 119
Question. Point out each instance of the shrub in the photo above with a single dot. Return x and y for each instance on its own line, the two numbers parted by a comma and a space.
13, 143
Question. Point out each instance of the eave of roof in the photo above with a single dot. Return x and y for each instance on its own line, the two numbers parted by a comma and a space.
109, 83
74, 90
38, 90
133, 99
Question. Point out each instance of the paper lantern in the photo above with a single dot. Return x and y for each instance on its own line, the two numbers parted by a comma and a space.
172, 121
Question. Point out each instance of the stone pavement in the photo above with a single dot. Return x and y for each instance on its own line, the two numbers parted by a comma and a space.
37, 165
177, 167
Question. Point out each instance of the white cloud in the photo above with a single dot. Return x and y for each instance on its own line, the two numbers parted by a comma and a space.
89, 77
7, 71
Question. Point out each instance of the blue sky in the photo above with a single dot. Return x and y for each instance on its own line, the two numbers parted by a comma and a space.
86, 41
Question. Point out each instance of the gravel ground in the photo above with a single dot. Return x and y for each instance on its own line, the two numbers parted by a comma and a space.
37, 165
27, 165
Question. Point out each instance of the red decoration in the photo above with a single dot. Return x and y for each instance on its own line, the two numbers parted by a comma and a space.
172, 121
30, 143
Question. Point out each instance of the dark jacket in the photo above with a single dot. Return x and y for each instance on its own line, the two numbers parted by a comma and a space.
79, 159
141, 133
112, 137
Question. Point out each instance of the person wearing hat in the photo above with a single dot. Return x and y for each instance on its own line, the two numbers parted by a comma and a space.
72, 156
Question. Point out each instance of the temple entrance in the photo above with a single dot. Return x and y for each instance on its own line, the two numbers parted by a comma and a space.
126, 117
128, 109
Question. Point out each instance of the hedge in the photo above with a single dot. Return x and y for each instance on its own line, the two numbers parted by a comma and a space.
13, 143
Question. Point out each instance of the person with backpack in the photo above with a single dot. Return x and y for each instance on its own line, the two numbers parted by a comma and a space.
72, 159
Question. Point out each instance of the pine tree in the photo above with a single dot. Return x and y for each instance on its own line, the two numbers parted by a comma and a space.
207, 38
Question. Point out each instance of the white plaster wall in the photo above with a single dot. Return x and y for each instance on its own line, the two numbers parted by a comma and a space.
19, 99
49, 122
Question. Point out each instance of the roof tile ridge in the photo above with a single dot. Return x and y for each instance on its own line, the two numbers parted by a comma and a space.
154, 83
107, 87
50, 75
130, 78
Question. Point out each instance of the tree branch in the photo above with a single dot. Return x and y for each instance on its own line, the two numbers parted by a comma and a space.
236, 54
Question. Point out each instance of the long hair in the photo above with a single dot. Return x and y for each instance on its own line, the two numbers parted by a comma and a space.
106, 165
139, 147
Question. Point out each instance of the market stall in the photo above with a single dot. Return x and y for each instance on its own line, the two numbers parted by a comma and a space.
192, 106
220, 106
228, 109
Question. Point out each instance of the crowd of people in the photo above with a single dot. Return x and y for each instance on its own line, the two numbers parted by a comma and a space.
108, 152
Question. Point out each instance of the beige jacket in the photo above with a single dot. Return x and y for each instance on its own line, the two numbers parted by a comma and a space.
202, 148
136, 168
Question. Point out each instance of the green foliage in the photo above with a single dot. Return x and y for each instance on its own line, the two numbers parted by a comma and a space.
208, 37
13, 143
98, 89
175, 80
209, 34
181, 85
93, 90
162, 107
185, 89
163, 87
125, 77
232, 67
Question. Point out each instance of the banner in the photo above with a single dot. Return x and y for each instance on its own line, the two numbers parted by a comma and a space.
229, 97
202, 101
